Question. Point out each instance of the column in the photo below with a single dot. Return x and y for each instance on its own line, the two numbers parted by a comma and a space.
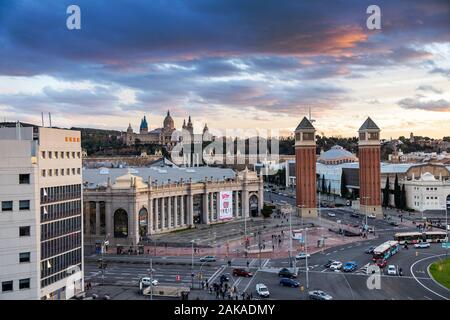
97, 218
183, 217
245, 207
176, 218
87, 210
156, 225
108, 219
163, 213
150, 217
236, 204
211, 206
191, 209
169, 211
205, 208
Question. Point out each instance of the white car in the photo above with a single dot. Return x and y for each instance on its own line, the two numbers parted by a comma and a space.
262, 291
148, 281
302, 255
337, 265
392, 270
371, 216
331, 214
422, 245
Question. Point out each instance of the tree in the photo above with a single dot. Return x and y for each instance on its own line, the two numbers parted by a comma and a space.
329, 188
403, 197
323, 189
267, 210
397, 193
386, 194
344, 190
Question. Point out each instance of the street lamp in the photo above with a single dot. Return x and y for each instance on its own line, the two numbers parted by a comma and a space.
105, 242
192, 265
365, 212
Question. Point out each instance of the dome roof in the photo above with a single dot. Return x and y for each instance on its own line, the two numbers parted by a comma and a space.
168, 121
336, 152
428, 177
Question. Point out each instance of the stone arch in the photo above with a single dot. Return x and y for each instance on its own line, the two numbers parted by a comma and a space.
253, 204
143, 222
120, 223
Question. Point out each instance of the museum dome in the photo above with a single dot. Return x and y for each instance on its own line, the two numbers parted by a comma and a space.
168, 121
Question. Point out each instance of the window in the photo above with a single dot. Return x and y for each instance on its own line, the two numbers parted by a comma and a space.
50, 172
7, 286
24, 284
24, 178
67, 154
24, 205
62, 172
56, 154
68, 171
78, 171
24, 231
43, 173
78, 154
7, 205
56, 172
373, 136
62, 154
24, 257
308, 136
43, 154
50, 155
73, 171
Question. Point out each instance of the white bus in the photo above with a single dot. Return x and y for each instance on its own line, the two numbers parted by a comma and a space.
415, 237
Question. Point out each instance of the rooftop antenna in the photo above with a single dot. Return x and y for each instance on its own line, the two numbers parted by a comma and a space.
310, 117
50, 119
42, 119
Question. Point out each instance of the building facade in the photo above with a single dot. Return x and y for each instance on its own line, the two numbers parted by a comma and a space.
41, 218
129, 204
167, 135
305, 157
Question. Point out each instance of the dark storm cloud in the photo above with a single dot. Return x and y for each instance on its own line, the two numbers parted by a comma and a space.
170, 50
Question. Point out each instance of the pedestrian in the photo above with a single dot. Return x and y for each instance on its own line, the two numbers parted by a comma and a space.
248, 264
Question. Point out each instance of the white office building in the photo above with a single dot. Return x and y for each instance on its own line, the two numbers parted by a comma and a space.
41, 245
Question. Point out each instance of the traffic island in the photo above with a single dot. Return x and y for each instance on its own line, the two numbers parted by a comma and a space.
440, 271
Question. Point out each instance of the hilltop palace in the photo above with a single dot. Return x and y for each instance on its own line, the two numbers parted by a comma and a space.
166, 136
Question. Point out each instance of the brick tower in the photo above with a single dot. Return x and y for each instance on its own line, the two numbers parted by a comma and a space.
369, 168
305, 168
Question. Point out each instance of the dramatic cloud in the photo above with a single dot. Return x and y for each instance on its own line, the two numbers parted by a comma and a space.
436, 105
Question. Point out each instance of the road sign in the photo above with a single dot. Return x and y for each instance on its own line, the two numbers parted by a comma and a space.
446, 245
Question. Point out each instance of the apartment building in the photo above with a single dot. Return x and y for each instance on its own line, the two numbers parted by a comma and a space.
41, 245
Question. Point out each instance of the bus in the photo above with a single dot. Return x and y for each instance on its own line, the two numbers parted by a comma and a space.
415, 237
385, 250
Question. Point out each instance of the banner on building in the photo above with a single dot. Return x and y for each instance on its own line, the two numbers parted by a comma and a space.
226, 205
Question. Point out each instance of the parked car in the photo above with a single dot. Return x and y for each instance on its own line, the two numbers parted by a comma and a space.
371, 216
287, 282
208, 259
336, 265
392, 270
242, 273
147, 281
331, 214
286, 273
302, 255
393, 223
349, 266
369, 250
262, 290
348, 203
319, 295
422, 245
381, 263
354, 215
329, 263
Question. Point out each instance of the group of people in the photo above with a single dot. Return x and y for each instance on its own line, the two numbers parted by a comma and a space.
222, 290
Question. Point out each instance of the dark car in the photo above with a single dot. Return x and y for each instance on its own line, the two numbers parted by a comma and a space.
242, 273
224, 278
393, 223
369, 250
354, 215
208, 259
286, 273
287, 282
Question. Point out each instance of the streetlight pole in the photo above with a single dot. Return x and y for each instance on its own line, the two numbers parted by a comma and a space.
306, 254
104, 243
192, 263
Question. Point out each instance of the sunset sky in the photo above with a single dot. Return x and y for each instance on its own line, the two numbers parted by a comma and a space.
230, 63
